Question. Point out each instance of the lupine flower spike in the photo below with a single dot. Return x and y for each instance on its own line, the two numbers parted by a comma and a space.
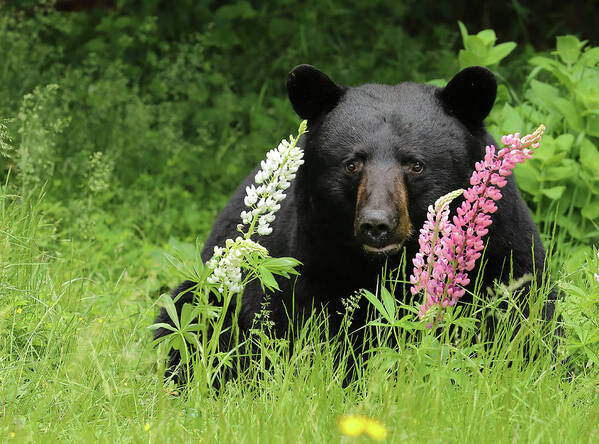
448, 251
597, 274
274, 177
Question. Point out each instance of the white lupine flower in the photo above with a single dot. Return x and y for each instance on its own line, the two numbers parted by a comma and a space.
597, 274
264, 230
251, 196
246, 218
226, 263
262, 202
275, 176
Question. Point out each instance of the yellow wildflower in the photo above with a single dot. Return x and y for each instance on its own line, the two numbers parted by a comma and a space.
355, 425
351, 425
147, 426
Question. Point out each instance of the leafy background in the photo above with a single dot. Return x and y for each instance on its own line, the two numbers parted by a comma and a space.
125, 125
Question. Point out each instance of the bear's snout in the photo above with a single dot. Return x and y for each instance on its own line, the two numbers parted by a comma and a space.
381, 222
375, 226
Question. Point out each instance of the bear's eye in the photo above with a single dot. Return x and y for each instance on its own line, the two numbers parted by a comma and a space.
353, 166
416, 167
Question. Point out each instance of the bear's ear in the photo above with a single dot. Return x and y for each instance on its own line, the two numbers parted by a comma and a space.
470, 94
312, 92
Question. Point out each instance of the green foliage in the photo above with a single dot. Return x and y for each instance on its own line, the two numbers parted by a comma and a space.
40, 121
480, 49
580, 309
5, 141
139, 120
564, 176
77, 365
161, 103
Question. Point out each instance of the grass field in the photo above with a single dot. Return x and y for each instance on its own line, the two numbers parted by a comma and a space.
125, 128
77, 365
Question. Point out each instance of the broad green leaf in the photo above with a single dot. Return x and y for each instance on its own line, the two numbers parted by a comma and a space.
589, 156
467, 58
499, 52
547, 149
544, 62
555, 67
527, 178
554, 160
477, 46
568, 48
487, 36
579, 193
569, 111
503, 94
554, 192
544, 92
464, 33
591, 211
576, 259
591, 56
566, 170
511, 120
572, 223
592, 127
563, 142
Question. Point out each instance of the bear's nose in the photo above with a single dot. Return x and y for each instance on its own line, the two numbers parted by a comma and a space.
375, 226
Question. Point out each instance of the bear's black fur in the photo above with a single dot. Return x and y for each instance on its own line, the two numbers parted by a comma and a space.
376, 156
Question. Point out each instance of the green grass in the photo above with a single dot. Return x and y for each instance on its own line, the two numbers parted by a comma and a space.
140, 122
76, 364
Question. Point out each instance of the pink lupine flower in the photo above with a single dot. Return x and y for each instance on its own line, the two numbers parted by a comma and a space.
449, 250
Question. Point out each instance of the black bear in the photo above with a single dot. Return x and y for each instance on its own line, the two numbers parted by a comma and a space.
376, 156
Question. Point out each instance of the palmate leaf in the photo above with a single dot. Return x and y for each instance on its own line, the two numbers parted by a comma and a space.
283, 266
267, 279
168, 337
388, 316
167, 302
269, 267
189, 313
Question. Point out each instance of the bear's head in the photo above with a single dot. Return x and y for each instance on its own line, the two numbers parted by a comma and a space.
378, 155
